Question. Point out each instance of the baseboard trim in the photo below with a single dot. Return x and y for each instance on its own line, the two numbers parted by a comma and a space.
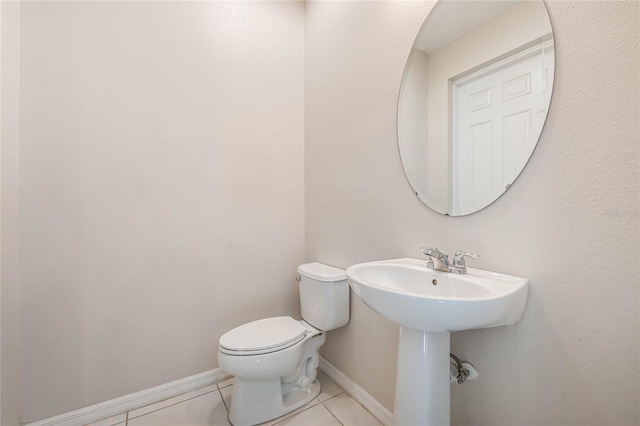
135, 400
378, 410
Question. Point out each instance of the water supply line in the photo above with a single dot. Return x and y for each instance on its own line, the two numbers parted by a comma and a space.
461, 371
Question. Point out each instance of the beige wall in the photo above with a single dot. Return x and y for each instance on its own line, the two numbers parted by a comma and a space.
161, 188
570, 223
413, 126
9, 288
162, 201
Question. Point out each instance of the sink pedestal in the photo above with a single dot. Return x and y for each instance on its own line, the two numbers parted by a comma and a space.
428, 305
422, 383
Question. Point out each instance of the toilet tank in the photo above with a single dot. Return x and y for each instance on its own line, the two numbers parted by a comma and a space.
324, 295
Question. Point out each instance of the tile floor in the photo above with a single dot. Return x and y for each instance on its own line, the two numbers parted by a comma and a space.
208, 406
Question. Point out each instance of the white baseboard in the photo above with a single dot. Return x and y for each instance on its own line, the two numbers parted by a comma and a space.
378, 410
132, 401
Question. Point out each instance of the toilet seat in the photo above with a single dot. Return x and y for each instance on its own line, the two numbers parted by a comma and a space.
262, 336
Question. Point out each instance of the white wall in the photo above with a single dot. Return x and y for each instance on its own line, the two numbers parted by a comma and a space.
161, 188
570, 223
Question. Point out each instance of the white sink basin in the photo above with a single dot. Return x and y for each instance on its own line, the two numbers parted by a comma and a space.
428, 305
403, 291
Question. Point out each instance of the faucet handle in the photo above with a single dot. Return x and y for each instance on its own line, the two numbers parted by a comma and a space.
458, 259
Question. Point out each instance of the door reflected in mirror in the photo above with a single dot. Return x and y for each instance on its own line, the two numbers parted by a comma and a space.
473, 101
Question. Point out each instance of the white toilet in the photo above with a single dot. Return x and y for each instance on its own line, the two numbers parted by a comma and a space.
274, 360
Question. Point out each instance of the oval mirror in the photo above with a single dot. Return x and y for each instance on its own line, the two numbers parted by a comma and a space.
474, 97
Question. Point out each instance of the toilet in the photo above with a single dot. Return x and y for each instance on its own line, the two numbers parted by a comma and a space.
274, 361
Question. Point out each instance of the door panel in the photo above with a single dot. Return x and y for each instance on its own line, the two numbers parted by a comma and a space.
498, 113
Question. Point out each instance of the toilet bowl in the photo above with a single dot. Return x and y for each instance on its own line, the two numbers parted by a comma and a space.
274, 361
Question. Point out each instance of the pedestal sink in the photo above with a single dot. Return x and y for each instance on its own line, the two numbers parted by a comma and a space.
428, 305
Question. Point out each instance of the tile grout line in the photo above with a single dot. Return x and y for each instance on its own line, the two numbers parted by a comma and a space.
222, 398
285, 418
328, 409
310, 407
223, 401
219, 389
331, 412
357, 402
170, 405
294, 415
334, 396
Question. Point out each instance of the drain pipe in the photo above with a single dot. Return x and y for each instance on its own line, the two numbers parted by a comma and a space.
461, 371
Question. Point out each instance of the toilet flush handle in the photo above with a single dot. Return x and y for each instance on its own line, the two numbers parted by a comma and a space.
298, 278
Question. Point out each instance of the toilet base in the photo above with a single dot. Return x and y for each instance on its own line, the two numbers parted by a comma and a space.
262, 400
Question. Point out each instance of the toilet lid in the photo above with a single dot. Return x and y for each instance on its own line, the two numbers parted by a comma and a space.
264, 335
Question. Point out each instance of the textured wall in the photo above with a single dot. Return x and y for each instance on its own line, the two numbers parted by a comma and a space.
570, 223
161, 188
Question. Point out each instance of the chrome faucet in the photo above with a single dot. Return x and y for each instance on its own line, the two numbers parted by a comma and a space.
440, 261
437, 260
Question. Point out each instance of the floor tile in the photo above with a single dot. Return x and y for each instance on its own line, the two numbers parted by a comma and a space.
278, 420
349, 412
225, 383
207, 409
317, 415
111, 421
171, 401
329, 388
226, 395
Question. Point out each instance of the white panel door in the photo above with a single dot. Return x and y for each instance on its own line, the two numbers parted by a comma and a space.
498, 113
